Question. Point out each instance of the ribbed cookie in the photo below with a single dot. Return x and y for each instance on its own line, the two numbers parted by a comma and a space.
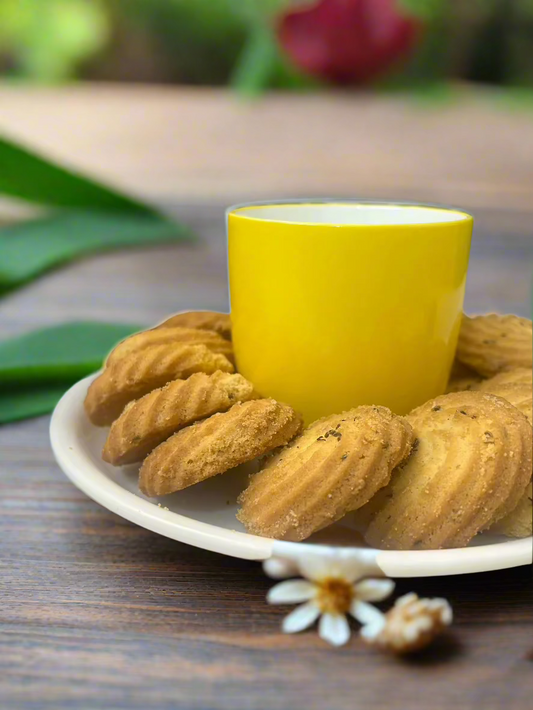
518, 376
462, 378
470, 468
518, 395
335, 466
165, 336
519, 522
493, 343
217, 444
515, 386
148, 421
142, 371
203, 320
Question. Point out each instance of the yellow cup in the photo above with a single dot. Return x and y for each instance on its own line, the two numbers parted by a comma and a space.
337, 304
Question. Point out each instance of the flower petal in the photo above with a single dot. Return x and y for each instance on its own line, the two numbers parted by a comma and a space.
374, 590
291, 592
373, 619
348, 568
334, 629
366, 613
280, 568
314, 566
370, 632
349, 565
301, 618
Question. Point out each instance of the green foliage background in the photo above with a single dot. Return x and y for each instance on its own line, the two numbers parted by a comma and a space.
220, 41
81, 216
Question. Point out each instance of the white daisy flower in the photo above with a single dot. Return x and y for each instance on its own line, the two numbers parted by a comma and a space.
333, 588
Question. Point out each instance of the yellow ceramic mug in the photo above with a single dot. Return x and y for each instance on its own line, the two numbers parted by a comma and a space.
337, 304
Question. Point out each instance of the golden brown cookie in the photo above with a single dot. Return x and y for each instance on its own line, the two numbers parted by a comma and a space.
518, 376
217, 444
471, 466
518, 395
142, 371
519, 522
515, 386
462, 378
148, 421
203, 320
166, 336
493, 343
335, 466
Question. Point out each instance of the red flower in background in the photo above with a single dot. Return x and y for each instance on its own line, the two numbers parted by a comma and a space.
347, 41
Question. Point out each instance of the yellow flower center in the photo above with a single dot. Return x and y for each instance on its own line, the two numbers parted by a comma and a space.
334, 596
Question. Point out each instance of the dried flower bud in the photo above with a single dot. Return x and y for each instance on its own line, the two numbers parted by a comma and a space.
410, 625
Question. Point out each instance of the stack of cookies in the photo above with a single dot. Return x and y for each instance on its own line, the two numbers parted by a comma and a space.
174, 402
455, 466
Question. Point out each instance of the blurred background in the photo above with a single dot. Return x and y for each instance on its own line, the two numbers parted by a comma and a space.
268, 43
197, 104
230, 99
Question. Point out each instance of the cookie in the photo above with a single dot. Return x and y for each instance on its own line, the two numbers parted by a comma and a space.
148, 421
519, 522
166, 336
518, 376
518, 395
470, 467
217, 444
462, 378
203, 320
335, 466
515, 386
493, 343
142, 371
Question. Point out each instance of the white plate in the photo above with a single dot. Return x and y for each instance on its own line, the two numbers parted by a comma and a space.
204, 515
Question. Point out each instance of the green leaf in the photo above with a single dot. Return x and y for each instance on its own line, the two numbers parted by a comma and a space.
263, 65
29, 402
261, 11
63, 353
29, 248
30, 177
427, 9
257, 62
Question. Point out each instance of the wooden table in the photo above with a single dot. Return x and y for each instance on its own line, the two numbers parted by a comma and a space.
98, 613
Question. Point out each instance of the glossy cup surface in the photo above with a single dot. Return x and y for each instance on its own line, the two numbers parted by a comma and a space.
337, 304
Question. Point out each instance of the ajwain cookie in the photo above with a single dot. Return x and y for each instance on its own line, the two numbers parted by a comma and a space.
492, 343
515, 386
470, 467
166, 336
335, 466
462, 378
215, 445
519, 522
148, 421
203, 320
141, 371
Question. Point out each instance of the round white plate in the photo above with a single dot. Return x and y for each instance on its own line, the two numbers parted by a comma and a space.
204, 515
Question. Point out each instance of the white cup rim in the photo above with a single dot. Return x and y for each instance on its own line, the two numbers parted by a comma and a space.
349, 213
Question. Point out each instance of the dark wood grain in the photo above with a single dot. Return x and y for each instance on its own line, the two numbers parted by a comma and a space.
98, 613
